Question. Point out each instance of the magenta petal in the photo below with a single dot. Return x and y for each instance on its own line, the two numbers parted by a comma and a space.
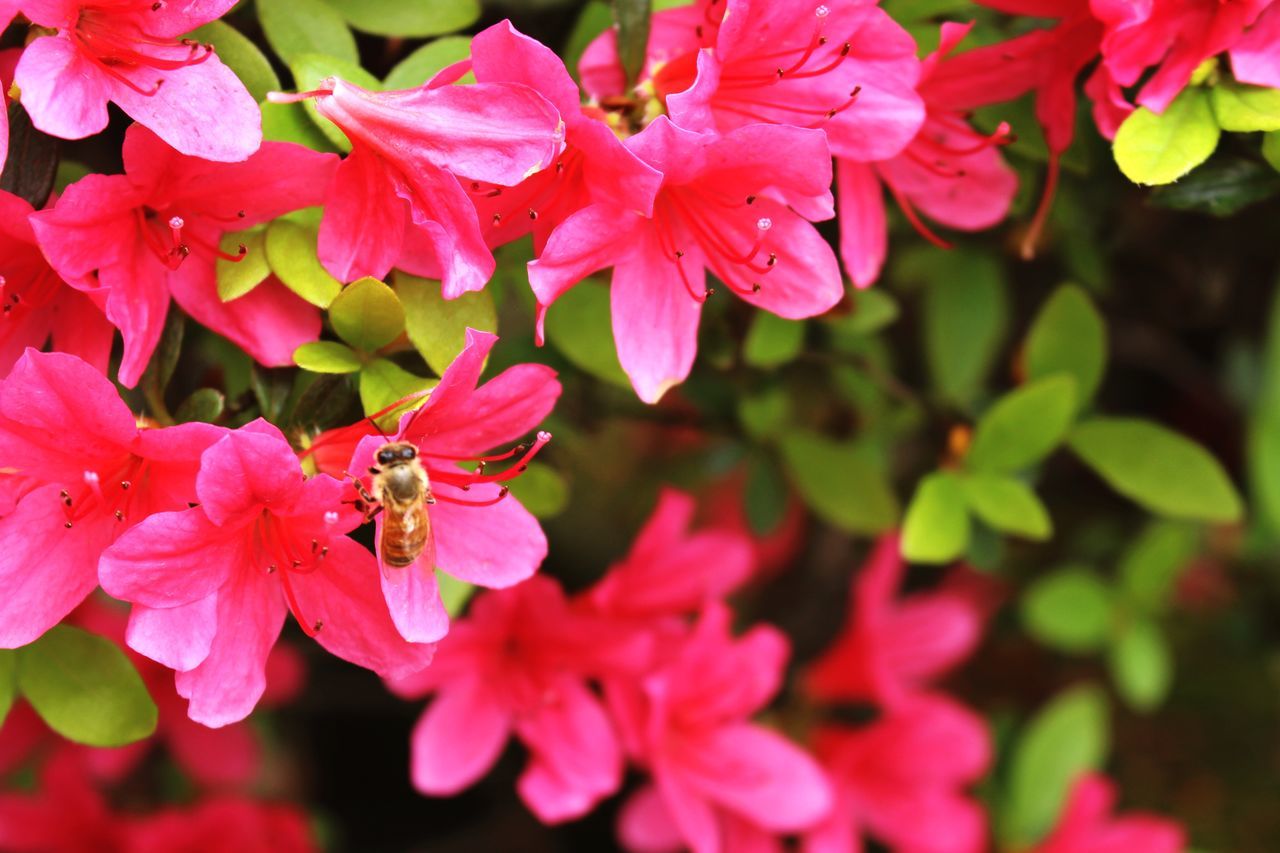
344, 597
694, 816
646, 826
413, 599
502, 54
505, 408
178, 637
592, 239
245, 470
48, 392
445, 217
170, 559
45, 569
458, 738
494, 546
1255, 58
452, 396
864, 231
63, 91
364, 220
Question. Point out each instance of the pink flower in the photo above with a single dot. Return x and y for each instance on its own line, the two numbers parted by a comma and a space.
8, 61
395, 200
211, 584
130, 240
729, 204
35, 304
889, 649
902, 780
224, 824
518, 665
593, 167
671, 570
687, 723
953, 174
130, 52
79, 472
1086, 826
64, 813
479, 532
1255, 57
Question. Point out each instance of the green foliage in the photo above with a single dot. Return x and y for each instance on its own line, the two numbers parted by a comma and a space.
936, 529
1007, 505
1271, 149
436, 326
1242, 108
1068, 336
408, 20
840, 482
236, 278
383, 382
632, 17
327, 357
1222, 187
578, 326
241, 56
204, 404
1153, 562
1264, 431
1157, 468
1070, 610
291, 252
772, 341
541, 490
1024, 425
297, 27
425, 62
1141, 665
8, 681
1067, 738
85, 688
367, 314
1159, 149
454, 593
965, 313
290, 123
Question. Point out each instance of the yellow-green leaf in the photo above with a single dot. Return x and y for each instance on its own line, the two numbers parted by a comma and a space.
236, 278
327, 357
1159, 149
291, 252
437, 326
367, 314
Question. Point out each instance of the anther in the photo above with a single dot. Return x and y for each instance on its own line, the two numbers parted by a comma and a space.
323, 551
319, 625
124, 484
119, 515
533, 214
315, 546
296, 563
764, 223
271, 569
67, 525
497, 218
331, 517
751, 199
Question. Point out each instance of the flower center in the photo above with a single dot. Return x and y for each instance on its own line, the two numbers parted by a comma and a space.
171, 242
534, 196
110, 35
682, 211
286, 552
30, 293
114, 491
464, 480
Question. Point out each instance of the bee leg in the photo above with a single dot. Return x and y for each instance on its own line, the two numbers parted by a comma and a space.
371, 512
431, 499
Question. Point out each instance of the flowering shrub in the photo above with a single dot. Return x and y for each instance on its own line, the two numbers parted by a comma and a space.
859, 465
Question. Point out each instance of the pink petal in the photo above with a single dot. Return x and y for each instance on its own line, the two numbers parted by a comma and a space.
450, 399
505, 408
443, 215
80, 328
214, 757
413, 599
178, 637
929, 634
171, 558
246, 469
345, 598
494, 546
364, 220
63, 91
46, 570
1255, 58
748, 157
502, 54
976, 197
694, 815
48, 392
864, 232
592, 239
612, 173
457, 739
645, 825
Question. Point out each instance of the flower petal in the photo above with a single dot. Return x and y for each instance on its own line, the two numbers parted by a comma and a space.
458, 738
170, 559
63, 91
178, 637
864, 231
494, 546
364, 219
246, 469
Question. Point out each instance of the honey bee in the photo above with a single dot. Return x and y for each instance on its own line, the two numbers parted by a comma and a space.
402, 491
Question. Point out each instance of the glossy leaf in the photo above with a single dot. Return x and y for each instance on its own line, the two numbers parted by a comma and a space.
936, 529
203, 404
840, 482
436, 326
965, 312
1152, 563
297, 27
1007, 505
236, 278
425, 62
1242, 108
1159, 149
291, 252
1069, 610
408, 20
367, 314
578, 326
1024, 425
327, 357
241, 56
541, 490
383, 382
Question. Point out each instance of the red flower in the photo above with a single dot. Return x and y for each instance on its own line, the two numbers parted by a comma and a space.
1085, 825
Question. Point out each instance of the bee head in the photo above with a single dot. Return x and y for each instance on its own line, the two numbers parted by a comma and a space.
392, 453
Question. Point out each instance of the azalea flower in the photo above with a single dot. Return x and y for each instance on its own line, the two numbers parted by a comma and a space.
1086, 825
211, 584
951, 173
518, 665
78, 472
729, 204
227, 823
131, 53
8, 61
888, 649
593, 167
1255, 57
35, 304
902, 780
395, 200
131, 240
65, 813
687, 724
479, 532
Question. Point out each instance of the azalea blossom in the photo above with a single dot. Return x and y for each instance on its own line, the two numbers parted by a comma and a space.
479, 532
132, 240
949, 172
889, 649
8, 61
211, 584
1087, 826
78, 472
35, 304
518, 665
1255, 56
132, 53
688, 724
902, 780
728, 204
395, 200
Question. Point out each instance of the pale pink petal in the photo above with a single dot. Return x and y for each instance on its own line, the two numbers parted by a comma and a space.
864, 231
63, 91
494, 546
178, 637
458, 738
413, 598
170, 559
646, 826
1255, 58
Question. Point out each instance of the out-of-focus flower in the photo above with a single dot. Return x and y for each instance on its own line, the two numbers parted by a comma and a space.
395, 200
518, 666
35, 304
224, 824
1087, 825
132, 53
211, 584
78, 472
65, 813
131, 240
728, 204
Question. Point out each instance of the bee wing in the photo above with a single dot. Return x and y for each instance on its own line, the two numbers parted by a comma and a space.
417, 526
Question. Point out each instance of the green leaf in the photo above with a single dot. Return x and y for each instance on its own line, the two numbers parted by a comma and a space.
408, 20
454, 593
367, 314
1065, 740
437, 327
541, 490
383, 382
327, 357
873, 309
1242, 108
1068, 336
772, 341
236, 278
297, 27
937, 526
241, 56
85, 688
578, 325
765, 415
1159, 149
840, 483
425, 62
1152, 564
1023, 426
204, 404
1157, 468
290, 123
291, 252
1069, 610
1007, 505
1222, 187
633, 17
309, 69
965, 312
8, 681
1271, 149
1141, 666
766, 495
1264, 429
